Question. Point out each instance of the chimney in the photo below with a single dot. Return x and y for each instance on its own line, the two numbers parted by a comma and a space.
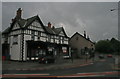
85, 34
88, 38
53, 27
49, 24
12, 20
18, 14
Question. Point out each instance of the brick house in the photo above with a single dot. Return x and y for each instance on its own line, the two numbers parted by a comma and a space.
80, 43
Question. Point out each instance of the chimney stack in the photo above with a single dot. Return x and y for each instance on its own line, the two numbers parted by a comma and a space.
85, 34
12, 20
18, 14
49, 24
88, 38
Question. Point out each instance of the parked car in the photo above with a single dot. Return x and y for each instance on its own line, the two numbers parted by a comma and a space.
109, 55
101, 56
46, 59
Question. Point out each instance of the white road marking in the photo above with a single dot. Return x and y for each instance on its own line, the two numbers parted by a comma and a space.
97, 72
80, 76
26, 74
92, 76
90, 73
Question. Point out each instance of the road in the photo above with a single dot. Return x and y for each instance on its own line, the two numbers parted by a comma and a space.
101, 68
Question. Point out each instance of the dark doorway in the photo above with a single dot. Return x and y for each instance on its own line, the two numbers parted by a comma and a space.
5, 51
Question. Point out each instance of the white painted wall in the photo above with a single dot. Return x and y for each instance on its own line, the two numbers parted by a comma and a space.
26, 37
16, 26
36, 38
15, 49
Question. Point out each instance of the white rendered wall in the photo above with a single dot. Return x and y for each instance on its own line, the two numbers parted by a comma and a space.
15, 49
26, 37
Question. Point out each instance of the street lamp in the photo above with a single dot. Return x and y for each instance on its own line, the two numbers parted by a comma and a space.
116, 58
118, 21
113, 9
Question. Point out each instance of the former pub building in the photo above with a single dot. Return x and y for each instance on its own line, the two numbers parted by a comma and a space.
26, 39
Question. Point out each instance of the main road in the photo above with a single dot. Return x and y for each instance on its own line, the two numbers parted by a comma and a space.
101, 68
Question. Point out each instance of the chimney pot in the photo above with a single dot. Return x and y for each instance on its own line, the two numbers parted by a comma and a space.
85, 34
18, 14
12, 20
49, 24
88, 38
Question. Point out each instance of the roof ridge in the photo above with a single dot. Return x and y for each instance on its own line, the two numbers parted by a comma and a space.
32, 17
58, 27
84, 37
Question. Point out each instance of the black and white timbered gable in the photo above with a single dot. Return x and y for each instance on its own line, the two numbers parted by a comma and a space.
29, 37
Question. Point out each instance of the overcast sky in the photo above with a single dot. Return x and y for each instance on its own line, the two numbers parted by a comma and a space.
93, 17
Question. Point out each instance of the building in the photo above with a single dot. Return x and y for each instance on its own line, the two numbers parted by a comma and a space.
80, 44
26, 39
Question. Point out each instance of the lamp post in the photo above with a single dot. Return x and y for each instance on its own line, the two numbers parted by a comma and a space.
116, 58
113, 9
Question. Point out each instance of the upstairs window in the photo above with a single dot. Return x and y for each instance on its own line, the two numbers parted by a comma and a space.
76, 38
32, 35
15, 39
6, 38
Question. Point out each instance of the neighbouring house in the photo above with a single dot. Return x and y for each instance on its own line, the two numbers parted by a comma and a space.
80, 43
25, 39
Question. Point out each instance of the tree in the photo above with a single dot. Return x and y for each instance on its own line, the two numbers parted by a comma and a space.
115, 45
103, 46
108, 46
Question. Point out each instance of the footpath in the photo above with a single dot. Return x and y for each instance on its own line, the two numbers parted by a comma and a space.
34, 65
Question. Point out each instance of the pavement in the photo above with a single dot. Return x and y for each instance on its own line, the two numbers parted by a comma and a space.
33, 65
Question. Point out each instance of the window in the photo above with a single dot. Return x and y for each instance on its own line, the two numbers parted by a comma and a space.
38, 37
62, 39
15, 39
32, 35
39, 34
76, 38
6, 38
49, 38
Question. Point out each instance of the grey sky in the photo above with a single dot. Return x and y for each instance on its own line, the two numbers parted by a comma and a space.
0, 15
60, 0
93, 17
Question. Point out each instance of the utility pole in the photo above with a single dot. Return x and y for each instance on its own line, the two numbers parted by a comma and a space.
116, 58
118, 18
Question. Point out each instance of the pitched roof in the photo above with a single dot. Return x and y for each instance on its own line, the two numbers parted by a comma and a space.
24, 23
81, 36
49, 30
21, 22
30, 20
6, 30
57, 30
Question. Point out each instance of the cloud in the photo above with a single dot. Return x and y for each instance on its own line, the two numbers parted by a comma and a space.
95, 18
